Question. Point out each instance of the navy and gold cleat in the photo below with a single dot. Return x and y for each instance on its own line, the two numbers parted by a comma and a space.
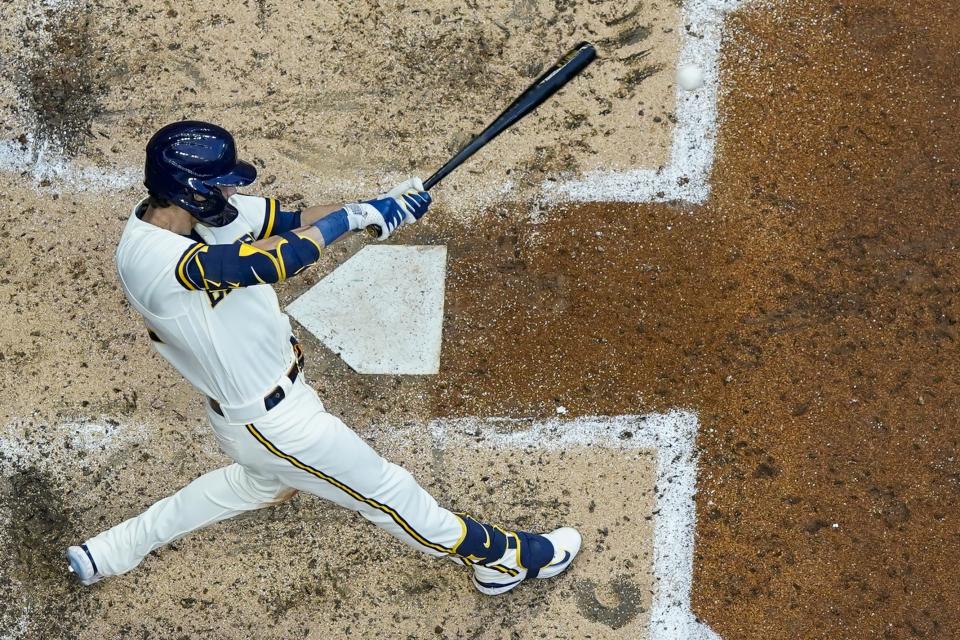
82, 565
501, 559
532, 556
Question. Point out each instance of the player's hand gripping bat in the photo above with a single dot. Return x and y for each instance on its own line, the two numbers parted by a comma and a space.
549, 82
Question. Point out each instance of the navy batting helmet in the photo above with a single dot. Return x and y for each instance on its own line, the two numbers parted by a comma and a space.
187, 162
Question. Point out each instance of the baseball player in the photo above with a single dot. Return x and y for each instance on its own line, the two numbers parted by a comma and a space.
197, 261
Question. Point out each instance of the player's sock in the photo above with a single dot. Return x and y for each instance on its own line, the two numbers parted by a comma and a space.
482, 543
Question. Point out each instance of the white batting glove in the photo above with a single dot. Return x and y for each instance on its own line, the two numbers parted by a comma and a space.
412, 198
380, 216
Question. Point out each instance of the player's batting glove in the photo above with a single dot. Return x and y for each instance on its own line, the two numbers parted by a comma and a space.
384, 213
415, 199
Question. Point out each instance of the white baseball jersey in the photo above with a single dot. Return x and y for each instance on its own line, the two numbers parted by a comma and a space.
232, 345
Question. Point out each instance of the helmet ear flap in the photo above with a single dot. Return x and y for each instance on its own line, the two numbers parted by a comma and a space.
207, 204
202, 189
213, 209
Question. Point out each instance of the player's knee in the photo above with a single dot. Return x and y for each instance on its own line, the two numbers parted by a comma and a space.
285, 494
255, 488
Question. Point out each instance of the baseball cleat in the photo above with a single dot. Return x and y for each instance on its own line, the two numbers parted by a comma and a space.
528, 555
82, 565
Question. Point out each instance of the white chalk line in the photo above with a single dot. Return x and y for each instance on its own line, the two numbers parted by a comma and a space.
45, 167
56, 448
671, 435
686, 177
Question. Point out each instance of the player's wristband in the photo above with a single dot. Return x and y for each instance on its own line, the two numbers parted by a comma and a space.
332, 226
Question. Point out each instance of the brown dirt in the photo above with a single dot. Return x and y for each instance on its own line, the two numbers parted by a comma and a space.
808, 313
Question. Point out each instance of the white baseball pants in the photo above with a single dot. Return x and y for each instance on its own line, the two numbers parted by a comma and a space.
296, 446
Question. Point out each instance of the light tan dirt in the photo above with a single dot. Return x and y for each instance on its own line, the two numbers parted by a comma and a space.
331, 101
337, 99
807, 312
337, 576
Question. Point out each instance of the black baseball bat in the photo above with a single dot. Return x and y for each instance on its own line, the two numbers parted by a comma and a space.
549, 82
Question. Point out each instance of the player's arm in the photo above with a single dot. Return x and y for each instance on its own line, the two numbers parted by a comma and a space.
277, 221
215, 267
310, 215
274, 259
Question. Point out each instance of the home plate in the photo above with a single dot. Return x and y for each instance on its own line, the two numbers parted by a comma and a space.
381, 310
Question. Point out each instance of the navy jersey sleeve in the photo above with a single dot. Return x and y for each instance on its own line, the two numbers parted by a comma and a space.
215, 267
276, 221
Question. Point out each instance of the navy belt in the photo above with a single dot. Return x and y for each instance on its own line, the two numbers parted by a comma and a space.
276, 396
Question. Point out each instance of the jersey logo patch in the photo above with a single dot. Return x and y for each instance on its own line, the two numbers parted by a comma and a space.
217, 296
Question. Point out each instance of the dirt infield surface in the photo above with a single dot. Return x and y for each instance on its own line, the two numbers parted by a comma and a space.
807, 313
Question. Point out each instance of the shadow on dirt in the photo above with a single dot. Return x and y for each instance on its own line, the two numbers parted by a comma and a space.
38, 598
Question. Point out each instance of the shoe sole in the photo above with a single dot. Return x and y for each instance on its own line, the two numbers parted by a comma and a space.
78, 562
493, 589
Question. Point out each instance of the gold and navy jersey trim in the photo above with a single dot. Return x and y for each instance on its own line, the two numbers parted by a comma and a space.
269, 219
276, 221
181, 271
356, 495
222, 267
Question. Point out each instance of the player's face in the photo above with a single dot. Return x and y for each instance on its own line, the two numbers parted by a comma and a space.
226, 191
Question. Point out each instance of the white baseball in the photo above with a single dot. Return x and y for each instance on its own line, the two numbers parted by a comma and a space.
690, 77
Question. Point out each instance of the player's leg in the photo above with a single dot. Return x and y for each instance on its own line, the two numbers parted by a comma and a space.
316, 452
212, 497
322, 456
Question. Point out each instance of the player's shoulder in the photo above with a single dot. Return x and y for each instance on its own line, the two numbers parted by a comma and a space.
251, 207
257, 212
146, 251
248, 204
139, 236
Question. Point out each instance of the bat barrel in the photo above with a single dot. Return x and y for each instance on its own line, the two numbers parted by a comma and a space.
549, 82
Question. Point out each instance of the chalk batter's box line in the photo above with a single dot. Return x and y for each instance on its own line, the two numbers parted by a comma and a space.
672, 436
686, 177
